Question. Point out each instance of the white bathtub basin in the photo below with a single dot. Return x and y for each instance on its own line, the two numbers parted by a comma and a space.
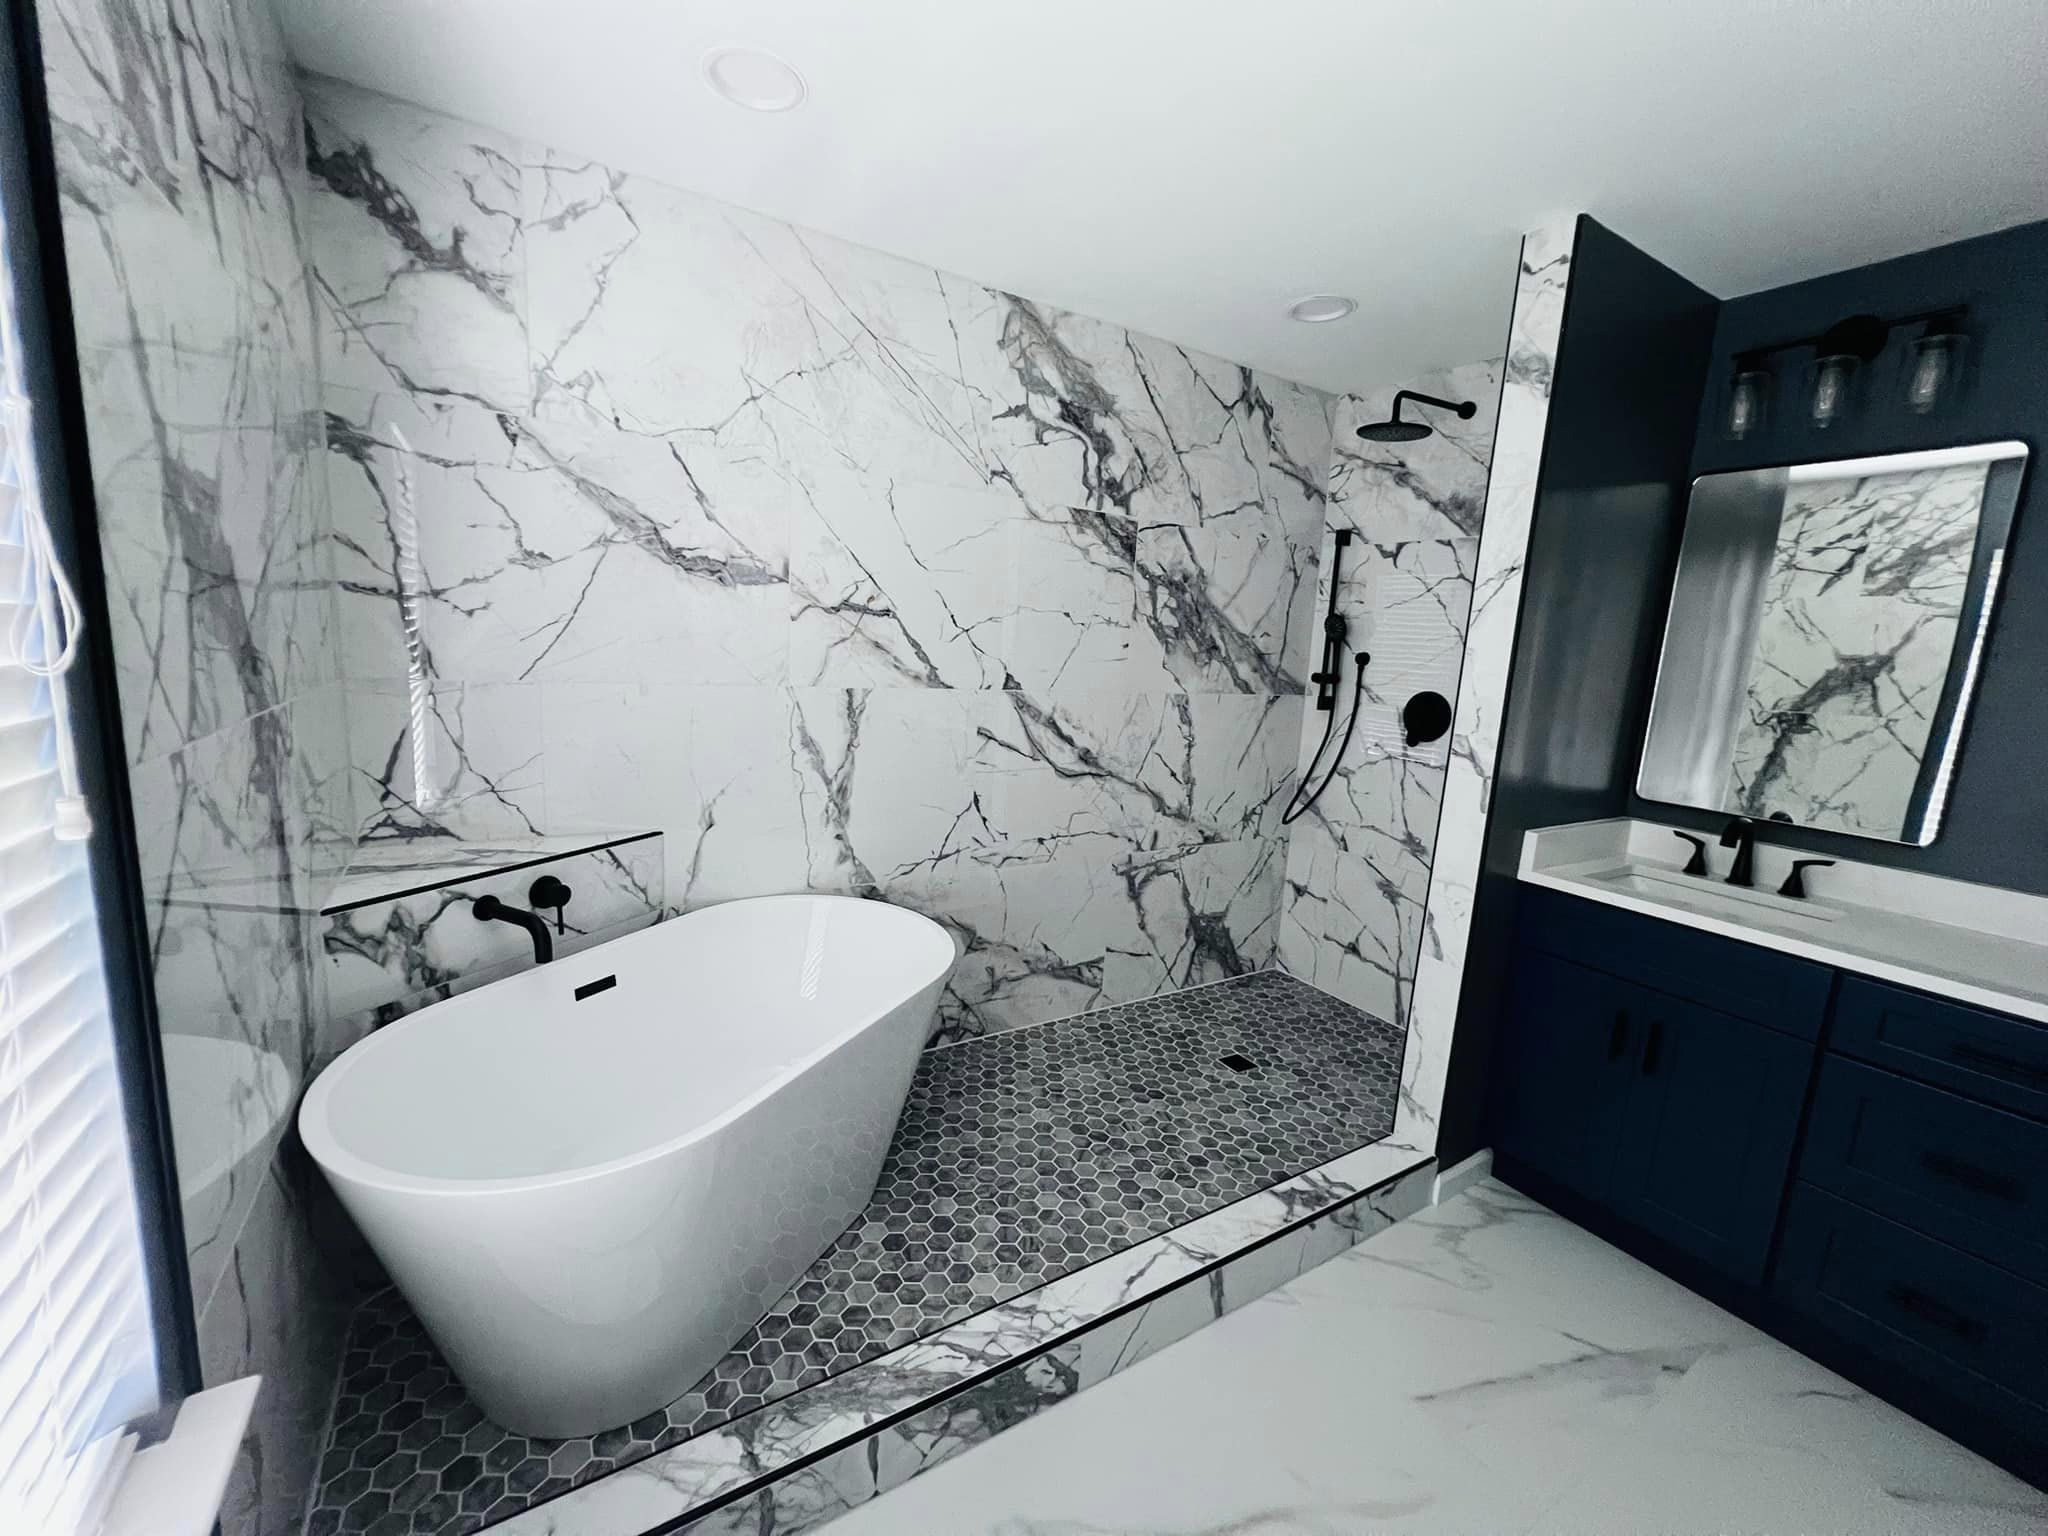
588, 1201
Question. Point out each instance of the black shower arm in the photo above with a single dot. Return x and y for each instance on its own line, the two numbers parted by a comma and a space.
1464, 408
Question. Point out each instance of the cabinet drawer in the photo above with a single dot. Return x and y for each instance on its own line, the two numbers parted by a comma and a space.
1986, 1055
1726, 975
1968, 1174
1972, 1331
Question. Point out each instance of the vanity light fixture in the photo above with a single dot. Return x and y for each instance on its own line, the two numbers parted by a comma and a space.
1321, 308
755, 79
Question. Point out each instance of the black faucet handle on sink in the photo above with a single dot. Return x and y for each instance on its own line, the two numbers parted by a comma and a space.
1697, 864
1795, 883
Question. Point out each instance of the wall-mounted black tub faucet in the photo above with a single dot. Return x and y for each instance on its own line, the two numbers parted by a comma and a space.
489, 909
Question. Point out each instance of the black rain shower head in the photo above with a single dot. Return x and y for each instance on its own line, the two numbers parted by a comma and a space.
1395, 430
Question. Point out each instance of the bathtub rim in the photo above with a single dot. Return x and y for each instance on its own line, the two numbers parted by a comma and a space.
338, 1161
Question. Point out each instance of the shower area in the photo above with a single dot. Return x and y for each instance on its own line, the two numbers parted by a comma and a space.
476, 512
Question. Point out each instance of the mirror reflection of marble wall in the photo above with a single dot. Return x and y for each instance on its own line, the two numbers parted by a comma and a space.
1822, 637
1861, 606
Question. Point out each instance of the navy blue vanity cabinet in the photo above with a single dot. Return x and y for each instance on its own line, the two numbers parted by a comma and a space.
1917, 1230
1659, 1072
1707, 1143
1565, 1068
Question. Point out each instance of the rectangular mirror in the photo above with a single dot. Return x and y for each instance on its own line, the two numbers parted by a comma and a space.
1825, 629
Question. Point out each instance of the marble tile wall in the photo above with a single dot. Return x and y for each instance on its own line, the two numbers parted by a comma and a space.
844, 573
1358, 863
1503, 552
181, 171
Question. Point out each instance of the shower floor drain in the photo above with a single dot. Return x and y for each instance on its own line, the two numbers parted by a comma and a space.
1020, 1157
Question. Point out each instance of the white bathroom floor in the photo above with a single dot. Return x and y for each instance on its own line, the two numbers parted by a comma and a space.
1484, 1366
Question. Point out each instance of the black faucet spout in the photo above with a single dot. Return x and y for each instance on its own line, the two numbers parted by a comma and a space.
1741, 836
489, 909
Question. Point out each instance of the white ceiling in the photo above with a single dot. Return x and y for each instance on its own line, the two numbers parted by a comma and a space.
1190, 167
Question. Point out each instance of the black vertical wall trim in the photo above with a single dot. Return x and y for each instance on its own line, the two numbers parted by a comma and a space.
1611, 496
28, 183
1996, 827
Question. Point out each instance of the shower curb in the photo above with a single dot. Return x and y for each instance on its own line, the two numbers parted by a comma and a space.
804, 1459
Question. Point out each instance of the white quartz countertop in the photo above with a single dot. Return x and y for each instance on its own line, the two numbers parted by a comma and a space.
1972, 943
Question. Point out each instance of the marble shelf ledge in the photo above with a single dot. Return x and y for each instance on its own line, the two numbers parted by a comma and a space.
389, 871
380, 872
805, 1458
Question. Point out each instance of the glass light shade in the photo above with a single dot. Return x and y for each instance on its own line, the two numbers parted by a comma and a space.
1931, 370
1746, 399
1832, 377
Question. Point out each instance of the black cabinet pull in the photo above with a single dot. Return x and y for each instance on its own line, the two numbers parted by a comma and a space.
1992, 1061
1912, 1299
1983, 1180
1617, 1037
1653, 1047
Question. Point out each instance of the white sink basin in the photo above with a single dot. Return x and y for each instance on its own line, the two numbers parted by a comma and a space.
1705, 894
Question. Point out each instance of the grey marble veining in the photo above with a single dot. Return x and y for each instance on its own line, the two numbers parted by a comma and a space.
846, 574
1467, 785
1358, 864
180, 168
1508, 1371
1860, 611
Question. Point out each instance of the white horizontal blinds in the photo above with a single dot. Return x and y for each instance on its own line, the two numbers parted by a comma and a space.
76, 1357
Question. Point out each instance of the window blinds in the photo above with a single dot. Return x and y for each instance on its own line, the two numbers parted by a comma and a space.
76, 1357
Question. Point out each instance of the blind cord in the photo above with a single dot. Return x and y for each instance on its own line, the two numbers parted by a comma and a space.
53, 606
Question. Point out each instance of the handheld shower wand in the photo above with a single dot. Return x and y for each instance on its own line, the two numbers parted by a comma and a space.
1336, 630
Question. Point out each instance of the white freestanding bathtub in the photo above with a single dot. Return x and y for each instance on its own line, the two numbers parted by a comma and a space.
591, 1178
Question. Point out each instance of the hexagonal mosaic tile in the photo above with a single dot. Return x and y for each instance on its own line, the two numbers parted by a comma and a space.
1020, 1157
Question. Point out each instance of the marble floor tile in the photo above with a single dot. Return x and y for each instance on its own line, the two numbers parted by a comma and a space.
1484, 1366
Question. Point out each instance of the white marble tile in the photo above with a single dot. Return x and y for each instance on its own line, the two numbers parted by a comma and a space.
1352, 916
419, 248
1508, 1372
1489, 652
845, 573
440, 763
988, 1371
930, 585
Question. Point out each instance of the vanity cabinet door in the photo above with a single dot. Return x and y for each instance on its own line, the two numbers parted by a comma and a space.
1562, 1069
1706, 1145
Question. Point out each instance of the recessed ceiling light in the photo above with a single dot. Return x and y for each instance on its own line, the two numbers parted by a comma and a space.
1321, 308
754, 78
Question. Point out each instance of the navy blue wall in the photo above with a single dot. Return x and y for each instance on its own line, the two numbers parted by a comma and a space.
1996, 827
1611, 498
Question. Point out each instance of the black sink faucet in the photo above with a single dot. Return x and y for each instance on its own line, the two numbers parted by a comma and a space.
489, 909
1740, 834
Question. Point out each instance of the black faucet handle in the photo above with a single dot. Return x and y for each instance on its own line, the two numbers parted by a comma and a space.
549, 893
1795, 883
1697, 864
